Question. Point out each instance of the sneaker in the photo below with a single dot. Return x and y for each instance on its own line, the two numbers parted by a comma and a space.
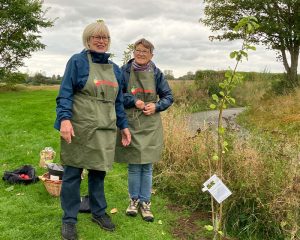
68, 231
132, 209
104, 222
145, 211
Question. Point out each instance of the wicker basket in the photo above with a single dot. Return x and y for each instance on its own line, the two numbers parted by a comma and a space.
53, 186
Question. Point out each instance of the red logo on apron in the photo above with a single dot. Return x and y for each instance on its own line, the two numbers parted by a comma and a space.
105, 82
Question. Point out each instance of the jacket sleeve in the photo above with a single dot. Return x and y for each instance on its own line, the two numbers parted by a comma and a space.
164, 92
120, 112
64, 100
129, 99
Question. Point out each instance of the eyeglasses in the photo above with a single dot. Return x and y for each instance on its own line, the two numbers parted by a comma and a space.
142, 52
99, 38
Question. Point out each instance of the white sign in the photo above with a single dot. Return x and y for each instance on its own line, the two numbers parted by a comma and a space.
216, 188
54, 178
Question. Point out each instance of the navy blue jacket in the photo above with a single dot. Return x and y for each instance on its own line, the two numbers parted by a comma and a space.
75, 78
162, 88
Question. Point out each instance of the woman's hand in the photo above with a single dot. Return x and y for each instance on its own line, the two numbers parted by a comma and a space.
149, 109
140, 104
126, 137
66, 130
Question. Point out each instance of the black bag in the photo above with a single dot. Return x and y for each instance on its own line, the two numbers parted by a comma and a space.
14, 176
85, 204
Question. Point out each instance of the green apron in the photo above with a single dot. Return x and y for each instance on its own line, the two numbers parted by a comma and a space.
146, 131
94, 121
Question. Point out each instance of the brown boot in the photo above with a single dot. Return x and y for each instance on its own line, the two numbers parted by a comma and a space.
132, 209
145, 211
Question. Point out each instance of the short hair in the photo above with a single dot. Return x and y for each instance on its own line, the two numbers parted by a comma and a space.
147, 44
96, 28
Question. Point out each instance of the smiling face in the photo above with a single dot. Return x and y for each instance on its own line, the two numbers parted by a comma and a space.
99, 43
96, 37
142, 55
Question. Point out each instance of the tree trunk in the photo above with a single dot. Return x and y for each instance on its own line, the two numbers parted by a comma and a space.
292, 76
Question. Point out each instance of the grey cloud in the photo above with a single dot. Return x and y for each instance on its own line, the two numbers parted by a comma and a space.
181, 42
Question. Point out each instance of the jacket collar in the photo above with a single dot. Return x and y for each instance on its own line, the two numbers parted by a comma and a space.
127, 66
98, 57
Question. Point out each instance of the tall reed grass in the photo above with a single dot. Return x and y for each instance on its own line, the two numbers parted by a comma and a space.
261, 171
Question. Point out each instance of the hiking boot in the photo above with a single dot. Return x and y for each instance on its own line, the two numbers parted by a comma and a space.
68, 231
145, 211
132, 209
104, 222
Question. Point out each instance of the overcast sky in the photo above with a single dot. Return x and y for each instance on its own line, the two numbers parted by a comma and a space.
181, 42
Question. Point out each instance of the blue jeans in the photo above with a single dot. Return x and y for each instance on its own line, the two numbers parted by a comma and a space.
70, 193
140, 181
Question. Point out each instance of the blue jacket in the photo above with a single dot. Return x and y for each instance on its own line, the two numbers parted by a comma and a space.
162, 89
75, 78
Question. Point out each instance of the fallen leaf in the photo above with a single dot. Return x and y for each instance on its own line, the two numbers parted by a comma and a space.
159, 222
9, 189
114, 210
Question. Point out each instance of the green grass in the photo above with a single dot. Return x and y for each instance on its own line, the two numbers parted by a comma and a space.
29, 212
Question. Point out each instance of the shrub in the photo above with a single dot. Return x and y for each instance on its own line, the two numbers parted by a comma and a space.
12, 78
186, 94
209, 80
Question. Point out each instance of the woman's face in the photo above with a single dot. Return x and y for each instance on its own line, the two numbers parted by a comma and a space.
99, 43
142, 55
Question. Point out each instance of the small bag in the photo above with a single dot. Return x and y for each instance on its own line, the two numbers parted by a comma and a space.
46, 156
85, 204
14, 177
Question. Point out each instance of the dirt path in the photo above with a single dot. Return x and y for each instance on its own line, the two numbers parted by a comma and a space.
200, 119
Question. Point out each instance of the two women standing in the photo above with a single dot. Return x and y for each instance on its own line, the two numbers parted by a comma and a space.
89, 108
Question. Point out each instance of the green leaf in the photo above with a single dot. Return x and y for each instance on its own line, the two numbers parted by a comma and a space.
228, 73
230, 100
215, 97
233, 54
249, 28
209, 227
222, 85
244, 54
250, 47
221, 130
212, 106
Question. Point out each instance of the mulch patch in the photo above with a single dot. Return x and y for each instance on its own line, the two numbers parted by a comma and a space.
187, 227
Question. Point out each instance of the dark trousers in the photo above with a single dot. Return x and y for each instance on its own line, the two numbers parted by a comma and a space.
70, 193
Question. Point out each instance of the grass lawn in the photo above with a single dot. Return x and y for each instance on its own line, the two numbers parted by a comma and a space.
29, 212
